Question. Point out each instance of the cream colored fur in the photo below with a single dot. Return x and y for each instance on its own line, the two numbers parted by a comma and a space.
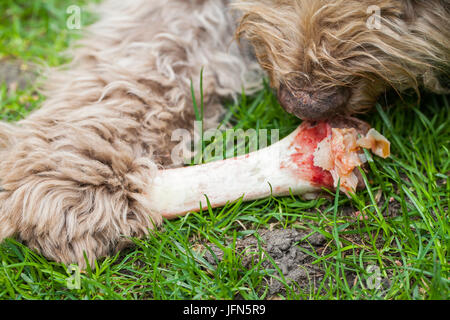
74, 173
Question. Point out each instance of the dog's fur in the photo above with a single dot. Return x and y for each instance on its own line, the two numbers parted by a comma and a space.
74, 173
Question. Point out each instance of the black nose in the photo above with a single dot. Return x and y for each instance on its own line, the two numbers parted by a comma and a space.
314, 105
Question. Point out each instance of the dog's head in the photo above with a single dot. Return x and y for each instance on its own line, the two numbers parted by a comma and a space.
336, 57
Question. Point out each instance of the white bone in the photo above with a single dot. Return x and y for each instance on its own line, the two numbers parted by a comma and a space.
272, 170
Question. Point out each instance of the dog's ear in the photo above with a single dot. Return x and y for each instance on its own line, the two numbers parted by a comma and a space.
272, 28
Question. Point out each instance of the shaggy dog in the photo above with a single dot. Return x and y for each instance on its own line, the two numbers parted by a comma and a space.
74, 173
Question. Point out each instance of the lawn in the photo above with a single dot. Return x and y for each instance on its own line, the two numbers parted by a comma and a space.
390, 241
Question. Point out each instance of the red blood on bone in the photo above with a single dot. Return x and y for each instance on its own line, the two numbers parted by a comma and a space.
305, 143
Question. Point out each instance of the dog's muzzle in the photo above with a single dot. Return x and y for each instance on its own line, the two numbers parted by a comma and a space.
314, 105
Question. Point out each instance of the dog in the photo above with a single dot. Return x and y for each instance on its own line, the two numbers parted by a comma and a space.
74, 173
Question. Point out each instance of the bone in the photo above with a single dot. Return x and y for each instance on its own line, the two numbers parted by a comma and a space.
286, 167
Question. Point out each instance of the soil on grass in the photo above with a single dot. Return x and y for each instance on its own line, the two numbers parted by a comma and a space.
287, 249
16, 74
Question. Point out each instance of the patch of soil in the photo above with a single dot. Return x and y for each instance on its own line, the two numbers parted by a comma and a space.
284, 247
16, 74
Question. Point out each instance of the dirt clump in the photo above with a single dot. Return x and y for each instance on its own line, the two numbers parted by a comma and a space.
16, 74
287, 249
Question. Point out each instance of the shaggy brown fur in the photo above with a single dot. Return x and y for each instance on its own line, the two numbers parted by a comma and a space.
74, 174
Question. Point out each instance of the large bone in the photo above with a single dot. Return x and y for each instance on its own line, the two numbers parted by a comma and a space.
280, 169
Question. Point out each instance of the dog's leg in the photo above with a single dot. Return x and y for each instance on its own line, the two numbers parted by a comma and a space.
74, 181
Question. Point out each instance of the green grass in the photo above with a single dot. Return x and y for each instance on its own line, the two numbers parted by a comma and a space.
36, 30
406, 234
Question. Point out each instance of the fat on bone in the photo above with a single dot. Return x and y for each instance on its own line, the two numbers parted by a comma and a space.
315, 155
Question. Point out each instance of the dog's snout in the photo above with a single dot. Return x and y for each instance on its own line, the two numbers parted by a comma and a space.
314, 105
